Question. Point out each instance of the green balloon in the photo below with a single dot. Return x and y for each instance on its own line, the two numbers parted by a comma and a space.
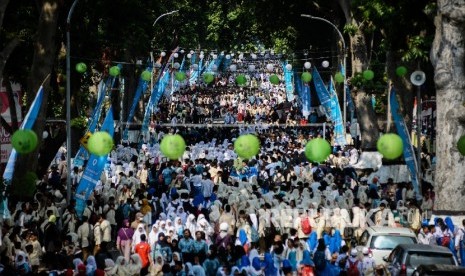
100, 143
146, 75
401, 71
81, 67
24, 141
339, 77
306, 77
317, 150
173, 146
114, 71
274, 79
390, 146
207, 77
247, 146
241, 79
180, 76
368, 74
461, 145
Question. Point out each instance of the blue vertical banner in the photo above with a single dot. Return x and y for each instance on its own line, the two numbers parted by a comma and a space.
336, 116
195, 73
94, 169
322, 92
28, 123
139, 91
82, 154
409, 155
289, 83
349, 102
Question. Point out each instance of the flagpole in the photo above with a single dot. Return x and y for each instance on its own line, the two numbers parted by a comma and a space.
344, 52
68, 103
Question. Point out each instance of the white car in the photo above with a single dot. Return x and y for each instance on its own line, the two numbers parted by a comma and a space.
381, 240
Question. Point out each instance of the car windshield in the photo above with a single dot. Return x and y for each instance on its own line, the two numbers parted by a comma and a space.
414, 259
389, 242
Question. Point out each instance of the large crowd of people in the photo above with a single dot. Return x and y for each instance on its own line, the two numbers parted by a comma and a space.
211, 212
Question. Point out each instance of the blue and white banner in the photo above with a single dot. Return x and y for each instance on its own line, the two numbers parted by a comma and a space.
409, 155
349, 102
195, 73
28, 123
82, 153
139, 92
322, 92
289, 83
94, 169
336, 116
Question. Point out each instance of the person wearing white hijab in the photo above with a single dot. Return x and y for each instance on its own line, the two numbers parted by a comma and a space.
134, 266
178, 226
204, 226
170, 229
153, 236
136, 237
191, 223
182, 214
120, 268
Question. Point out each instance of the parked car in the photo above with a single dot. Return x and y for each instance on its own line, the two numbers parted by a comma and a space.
381, 240
439, 269
406, 258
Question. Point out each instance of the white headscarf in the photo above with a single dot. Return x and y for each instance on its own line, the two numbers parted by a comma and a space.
153, 235
135, 265
136, 237
191, 224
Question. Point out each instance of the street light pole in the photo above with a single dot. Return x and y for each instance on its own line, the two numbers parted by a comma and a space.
68, 103
151, 55
344, 52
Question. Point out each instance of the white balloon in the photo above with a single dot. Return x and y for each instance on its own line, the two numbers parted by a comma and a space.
228, 56
195, 66
232, 54
176, 55
222, 53
241, 56
325, 64
176, 65
254, 56
215, 56
307, 65
189, 55
44, 135
162, 54
182, 51
201, 56
288, 67
233, 67
191, 52
269, 67
214, 67
251, 67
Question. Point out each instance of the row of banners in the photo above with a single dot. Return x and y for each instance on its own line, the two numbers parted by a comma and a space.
95, 164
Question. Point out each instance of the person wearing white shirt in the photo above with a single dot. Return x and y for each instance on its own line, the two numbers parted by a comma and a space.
460, 243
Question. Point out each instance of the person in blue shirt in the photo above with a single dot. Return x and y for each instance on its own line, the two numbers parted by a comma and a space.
186, 246
167, 175
200, 246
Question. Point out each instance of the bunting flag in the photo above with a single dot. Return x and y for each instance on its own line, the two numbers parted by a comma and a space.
28, 123
82, 153
139, 92
289, 84
322, 92
409, 156
94, 169
336, 116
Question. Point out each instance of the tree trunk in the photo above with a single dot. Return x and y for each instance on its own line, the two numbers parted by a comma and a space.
43, 61
448, 56
366, 116
367, 120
